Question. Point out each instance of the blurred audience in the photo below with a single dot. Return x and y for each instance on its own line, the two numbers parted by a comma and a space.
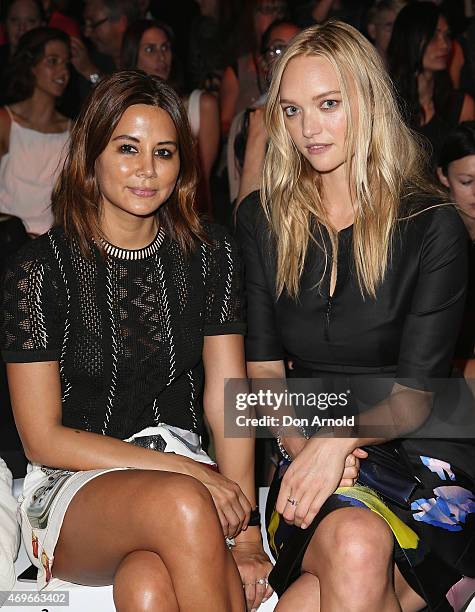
243, 81
456, 171
33, 133
418, 57
247, 140
148, 46
380, 22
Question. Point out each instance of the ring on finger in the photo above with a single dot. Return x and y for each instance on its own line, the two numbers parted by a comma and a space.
262, 581
292, 501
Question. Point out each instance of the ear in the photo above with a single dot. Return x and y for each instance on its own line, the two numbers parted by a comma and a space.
371, 29
442, 178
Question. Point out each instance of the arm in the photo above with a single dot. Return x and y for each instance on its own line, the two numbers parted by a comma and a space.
254, 155
80, 58
5, 123
321, 10
228, 95
468, 109
209, 136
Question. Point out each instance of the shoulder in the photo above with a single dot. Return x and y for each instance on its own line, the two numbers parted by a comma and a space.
250, 213
425, 211
468, 109
437, 228
217, 236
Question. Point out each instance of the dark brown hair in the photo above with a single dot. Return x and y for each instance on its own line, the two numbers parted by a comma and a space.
30, 51
76, 198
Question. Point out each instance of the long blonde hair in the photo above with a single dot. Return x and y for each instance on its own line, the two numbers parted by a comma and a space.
385, 162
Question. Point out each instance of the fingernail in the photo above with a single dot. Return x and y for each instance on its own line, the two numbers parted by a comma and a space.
303, 525
264, 599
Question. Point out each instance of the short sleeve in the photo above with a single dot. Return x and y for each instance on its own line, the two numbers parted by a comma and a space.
432, 324
263, 342
224, 312
32, 312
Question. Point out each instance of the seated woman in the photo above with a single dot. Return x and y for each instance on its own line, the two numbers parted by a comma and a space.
418, 58
114, 323
456, 171
356, 272
148, 46
33, 134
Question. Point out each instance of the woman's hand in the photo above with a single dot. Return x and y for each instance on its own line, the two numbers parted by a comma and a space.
233, 507
254, 566
352, 467
311, 478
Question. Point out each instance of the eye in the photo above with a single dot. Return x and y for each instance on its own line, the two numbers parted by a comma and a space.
150, 48
51, 60
290, 111
469, 182
128, 149
330, 104
164, 153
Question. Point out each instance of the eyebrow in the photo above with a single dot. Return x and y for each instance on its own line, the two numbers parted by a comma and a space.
325, 94
134, 139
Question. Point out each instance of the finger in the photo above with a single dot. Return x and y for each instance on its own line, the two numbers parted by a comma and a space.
283, 496
313, 509
268, 594
350, 472
347, 482
224, 522
360, 453
250, 590
234, 521
350, 460
261, 588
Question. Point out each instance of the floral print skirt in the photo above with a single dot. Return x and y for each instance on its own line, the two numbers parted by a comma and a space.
434, 536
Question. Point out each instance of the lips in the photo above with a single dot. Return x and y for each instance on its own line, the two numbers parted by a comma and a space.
317, 148
142, 192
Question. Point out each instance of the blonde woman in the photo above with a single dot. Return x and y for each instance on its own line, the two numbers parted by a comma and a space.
356, 270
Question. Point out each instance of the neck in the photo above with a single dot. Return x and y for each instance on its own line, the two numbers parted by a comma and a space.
337, 198
127, 232
425, 86
39, 109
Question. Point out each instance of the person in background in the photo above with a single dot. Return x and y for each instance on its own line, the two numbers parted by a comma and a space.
105, 22
247, 139
380, 22
456, 171
33, 134
134, 321
20, 17
148, 46
57, 17
243, 82
418, 57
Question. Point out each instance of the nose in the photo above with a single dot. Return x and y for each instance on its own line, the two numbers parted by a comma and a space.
146, 167
311, 123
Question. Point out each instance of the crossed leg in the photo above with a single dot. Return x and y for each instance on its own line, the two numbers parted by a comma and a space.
348, 566
156, 537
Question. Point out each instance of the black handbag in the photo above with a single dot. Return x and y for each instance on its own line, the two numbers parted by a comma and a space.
387, 471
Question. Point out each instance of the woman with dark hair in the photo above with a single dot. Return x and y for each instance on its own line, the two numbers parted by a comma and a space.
243, 81
33, 133
115, 322
148, 46
456, 171
418, 57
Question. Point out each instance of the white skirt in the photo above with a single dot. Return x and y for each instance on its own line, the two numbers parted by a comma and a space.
47, 493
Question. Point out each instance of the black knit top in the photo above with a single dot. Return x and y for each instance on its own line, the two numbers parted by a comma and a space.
127, 328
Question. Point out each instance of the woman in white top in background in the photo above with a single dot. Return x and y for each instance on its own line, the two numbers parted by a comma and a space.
33, 133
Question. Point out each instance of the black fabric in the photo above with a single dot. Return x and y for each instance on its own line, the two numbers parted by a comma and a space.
128, 333
408, 332
466, 340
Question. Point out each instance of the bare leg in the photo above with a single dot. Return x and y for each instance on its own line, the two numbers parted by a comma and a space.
142, 582
351, 553
170, 515
303, 595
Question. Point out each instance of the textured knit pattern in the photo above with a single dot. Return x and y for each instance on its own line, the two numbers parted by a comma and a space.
127, 328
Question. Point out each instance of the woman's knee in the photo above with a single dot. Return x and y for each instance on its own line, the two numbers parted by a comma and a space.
142, 584
183, 501
354, 541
